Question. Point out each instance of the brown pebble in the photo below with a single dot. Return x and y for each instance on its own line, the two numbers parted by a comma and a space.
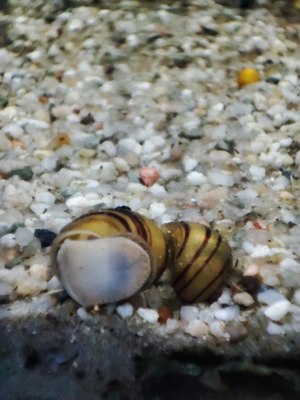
60, 140
164, 313
4, 175
59, 75
43, 99
251, 284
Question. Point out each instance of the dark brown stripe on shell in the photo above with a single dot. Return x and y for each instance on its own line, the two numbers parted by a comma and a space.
205, 262
195, 256
226, 265
186, 228
140, 224
120, 218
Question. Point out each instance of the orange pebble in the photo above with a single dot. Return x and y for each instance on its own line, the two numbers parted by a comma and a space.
247, 76
148, 175
164, 313
60, 140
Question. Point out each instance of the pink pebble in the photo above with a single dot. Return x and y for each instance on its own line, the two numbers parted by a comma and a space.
148, 175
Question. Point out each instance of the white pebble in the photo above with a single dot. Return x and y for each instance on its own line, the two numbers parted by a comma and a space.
9, 240
172, 325
5, 289
197, 328
196, 178
227, 314
260, 101
244, 299
297, 296
269, 297
257, 172
107, 171
30, 286
290, 264
23, 236
39, 271
189, 164
158, 190
121, 164
156, 210
129, 145
49, 163
54, 284
45, 197
148, 315
82, 313
225, 298
14, 275
39, 208
222, 178
75, 25
125, 310
109, 148
188, 313
77, 201
277, 310
269, 275
275, 329
217, 328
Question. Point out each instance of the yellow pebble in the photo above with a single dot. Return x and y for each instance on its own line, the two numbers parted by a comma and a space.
247, 76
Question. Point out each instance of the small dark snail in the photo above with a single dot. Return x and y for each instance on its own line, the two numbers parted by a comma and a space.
110, 255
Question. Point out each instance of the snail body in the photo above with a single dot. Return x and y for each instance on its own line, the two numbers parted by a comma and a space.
110, 255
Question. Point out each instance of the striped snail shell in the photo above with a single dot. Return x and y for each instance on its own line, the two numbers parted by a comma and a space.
108, 256
201, 260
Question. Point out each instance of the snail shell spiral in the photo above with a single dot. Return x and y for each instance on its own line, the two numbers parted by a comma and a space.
108, 256
201, 260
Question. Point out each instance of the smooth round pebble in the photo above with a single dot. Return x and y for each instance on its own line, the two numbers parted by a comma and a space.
148, 315
277, 310
39, 271
244, 299
227, 314
196, 178
156, 210
197, 328
297, 296
270, 296
217, 328
188, 313
23, 236
9, 240
125, 310
275, 329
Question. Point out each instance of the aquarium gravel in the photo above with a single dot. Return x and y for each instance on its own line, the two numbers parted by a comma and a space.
136, 105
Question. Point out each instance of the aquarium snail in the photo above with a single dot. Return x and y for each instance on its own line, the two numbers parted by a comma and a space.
110, 255
201, 260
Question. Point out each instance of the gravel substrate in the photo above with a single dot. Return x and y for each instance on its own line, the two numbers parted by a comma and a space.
91, 97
